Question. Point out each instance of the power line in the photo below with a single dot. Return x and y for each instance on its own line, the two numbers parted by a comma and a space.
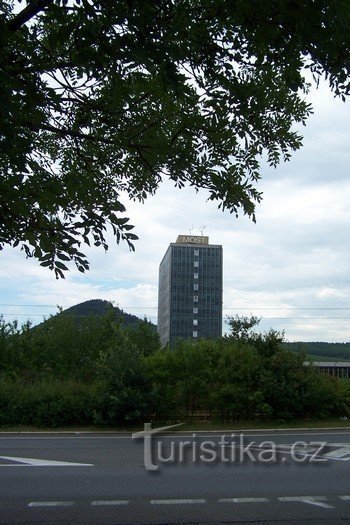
155, 317
155, 307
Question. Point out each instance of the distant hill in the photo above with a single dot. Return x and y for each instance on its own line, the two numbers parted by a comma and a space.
321, 350
99, 307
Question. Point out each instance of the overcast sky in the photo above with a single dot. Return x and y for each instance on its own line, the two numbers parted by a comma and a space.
291, 268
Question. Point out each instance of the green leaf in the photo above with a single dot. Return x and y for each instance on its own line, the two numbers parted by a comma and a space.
60, 265
46, 263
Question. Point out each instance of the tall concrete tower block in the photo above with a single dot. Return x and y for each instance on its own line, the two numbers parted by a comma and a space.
190, 290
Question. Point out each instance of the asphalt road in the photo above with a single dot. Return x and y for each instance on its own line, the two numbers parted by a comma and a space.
206, 478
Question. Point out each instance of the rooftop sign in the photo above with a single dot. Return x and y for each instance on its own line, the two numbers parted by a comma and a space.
192, 239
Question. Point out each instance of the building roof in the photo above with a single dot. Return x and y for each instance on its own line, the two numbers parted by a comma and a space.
338, 364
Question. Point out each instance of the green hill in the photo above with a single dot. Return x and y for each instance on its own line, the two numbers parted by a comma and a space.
321, 351
99, 307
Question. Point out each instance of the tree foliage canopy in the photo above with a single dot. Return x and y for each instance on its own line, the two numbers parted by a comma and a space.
98, 98
100, 371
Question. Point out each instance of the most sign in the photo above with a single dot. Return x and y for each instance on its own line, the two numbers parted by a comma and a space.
191, 239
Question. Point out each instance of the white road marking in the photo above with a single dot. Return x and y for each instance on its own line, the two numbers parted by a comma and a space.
319, 501
311, 500
177, 501
306, 450
42, 462
51, 504
15, 465
111, 502
342, 453
338, 444
243, 500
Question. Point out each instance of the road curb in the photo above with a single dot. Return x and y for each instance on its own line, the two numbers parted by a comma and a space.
127, 432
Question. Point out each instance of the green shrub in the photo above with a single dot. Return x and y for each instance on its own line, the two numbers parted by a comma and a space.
47, 403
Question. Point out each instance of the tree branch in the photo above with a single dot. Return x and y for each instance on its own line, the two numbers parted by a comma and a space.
32, 9
64, 132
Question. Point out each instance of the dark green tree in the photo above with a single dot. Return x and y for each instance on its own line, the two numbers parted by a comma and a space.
235, 383
127, 395
190, 375
240, 327
144, 335
98, 98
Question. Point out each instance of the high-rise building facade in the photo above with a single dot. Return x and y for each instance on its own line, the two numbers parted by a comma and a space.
190, 290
